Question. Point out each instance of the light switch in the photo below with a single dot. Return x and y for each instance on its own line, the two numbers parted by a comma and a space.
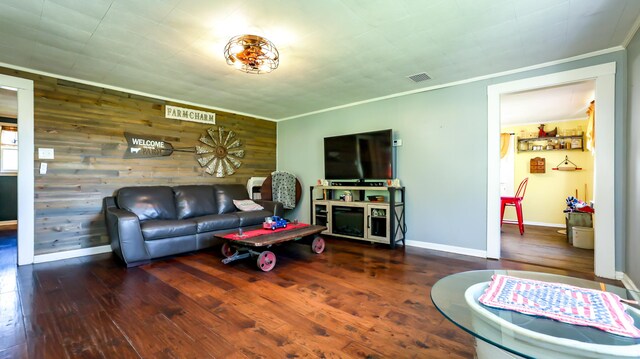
45, 153
43, 168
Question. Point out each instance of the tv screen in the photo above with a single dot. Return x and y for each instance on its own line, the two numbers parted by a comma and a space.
359, 156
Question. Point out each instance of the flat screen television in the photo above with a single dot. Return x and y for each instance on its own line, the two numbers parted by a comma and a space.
359, 156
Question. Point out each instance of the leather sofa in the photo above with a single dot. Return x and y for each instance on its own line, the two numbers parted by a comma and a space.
144, 223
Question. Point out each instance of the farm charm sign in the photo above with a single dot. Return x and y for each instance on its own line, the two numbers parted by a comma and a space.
187, 114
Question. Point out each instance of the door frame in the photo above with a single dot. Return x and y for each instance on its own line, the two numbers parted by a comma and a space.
26, 179
604, 175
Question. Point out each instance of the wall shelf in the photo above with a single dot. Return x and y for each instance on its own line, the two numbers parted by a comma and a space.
558, 143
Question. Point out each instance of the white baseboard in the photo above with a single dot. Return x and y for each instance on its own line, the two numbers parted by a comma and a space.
447, 248
541, 224
626, 280
9, 223
49, 257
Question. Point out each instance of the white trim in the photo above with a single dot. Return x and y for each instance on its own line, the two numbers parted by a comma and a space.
134, 92
424, 89
26, 180
49, 257
9, 223
493, 174
461, 82
626, 280
604, 222
445, 248
631, 33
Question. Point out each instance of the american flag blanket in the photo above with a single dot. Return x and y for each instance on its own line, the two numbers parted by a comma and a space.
562, 302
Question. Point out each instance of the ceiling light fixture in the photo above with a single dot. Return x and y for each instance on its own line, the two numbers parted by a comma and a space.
252, 54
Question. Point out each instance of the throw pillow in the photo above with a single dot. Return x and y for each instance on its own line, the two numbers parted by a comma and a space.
247, 205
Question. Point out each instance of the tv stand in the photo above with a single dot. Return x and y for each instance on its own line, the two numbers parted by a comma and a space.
357, 183
361, 219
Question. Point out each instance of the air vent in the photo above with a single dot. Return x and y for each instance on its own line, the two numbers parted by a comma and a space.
419, 77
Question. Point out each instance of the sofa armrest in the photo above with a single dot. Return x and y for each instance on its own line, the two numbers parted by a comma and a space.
274, 207
124, 232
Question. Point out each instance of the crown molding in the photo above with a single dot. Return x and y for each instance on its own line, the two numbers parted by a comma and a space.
631, 33
133, 92
462, 82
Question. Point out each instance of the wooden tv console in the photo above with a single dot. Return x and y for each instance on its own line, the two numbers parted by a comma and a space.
361, 219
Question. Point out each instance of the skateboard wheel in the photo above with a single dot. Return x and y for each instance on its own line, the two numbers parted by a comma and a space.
317, 246
227, 251
266, 261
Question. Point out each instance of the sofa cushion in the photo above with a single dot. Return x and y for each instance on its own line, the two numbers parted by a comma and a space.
252, 218
216, 222
226, 193
153, 202
194, 201
167, 228
247, 205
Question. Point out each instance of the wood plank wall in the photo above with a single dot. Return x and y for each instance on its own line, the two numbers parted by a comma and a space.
85, 125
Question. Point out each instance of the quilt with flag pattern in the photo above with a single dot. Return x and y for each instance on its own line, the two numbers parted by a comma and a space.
562, 302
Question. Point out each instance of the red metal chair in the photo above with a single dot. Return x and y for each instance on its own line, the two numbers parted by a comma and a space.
515, 201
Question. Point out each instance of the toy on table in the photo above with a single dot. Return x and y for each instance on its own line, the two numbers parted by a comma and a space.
274, 223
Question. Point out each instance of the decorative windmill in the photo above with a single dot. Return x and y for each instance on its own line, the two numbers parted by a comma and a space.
221, 152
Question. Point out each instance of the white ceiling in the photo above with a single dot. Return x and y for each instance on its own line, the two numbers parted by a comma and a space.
551, 104
333, 52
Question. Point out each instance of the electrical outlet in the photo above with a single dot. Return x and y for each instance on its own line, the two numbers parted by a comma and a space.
45, 153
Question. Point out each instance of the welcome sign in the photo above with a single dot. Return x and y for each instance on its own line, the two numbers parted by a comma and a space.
187, 114
142, 146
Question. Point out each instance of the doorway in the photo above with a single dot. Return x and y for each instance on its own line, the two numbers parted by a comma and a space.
8, 177
25, 178
603, 191
548, 131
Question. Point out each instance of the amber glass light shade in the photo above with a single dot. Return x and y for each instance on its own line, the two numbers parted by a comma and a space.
252, 54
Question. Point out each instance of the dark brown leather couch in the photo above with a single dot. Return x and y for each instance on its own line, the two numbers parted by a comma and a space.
152, 222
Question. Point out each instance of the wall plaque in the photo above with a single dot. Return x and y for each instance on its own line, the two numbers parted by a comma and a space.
187, 114
144, 146
537, 165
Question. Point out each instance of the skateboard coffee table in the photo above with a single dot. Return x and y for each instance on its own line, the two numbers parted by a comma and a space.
255, 242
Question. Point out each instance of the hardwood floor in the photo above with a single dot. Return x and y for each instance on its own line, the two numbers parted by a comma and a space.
544, 246
354, 300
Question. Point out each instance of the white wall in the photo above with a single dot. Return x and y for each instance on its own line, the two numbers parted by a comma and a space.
443, 160
633, 172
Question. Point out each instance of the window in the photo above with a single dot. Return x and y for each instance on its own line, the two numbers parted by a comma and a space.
8, 148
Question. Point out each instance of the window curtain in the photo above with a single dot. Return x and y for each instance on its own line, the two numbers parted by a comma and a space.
591, 129
504, 143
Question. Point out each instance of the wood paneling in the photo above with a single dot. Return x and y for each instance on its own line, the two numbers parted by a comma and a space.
8, 103
85, 125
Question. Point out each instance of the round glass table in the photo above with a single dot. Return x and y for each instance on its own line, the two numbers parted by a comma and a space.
508, 334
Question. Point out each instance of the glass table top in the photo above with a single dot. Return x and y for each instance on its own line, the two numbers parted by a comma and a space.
448, 295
